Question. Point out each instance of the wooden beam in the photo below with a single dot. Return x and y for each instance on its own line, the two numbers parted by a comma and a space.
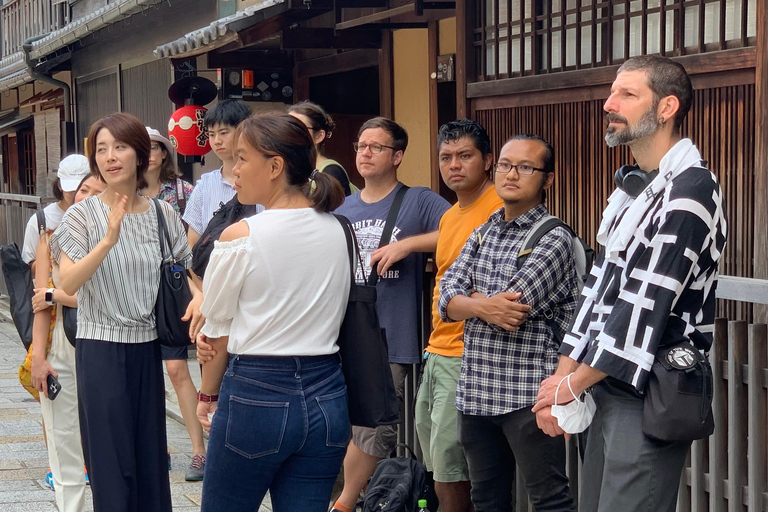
250, 59
304, 38
386, 77
761, 153
373, 18
432, 51
340, 4
600, 91
261, 31
465, 54
338, 63
729, 60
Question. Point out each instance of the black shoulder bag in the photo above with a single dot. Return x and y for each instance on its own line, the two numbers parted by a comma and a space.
173, 294
677, 401
362, 342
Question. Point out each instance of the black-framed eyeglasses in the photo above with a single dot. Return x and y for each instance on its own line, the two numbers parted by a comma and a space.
522, 169
375, 148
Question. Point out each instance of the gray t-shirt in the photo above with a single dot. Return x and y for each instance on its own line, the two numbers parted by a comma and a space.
118, 302
400, 291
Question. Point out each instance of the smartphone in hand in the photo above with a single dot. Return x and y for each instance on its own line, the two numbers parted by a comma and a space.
53, 387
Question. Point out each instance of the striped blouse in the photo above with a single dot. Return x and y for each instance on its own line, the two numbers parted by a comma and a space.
118, 302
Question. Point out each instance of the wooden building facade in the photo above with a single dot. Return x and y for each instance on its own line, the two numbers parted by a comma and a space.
545, 67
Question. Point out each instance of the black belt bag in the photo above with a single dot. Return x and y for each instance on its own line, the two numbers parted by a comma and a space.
677, 405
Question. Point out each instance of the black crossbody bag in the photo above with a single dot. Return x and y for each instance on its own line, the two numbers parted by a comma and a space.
371, 396
173, 294
677, 401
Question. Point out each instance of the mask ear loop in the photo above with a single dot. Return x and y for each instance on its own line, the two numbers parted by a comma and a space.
557, 390
570, 389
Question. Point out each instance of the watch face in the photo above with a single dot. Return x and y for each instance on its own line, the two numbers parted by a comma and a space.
48, 297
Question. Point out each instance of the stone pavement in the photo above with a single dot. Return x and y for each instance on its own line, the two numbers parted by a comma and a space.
23, 456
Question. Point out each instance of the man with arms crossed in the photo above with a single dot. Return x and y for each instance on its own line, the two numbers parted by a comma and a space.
653, 281
508, 342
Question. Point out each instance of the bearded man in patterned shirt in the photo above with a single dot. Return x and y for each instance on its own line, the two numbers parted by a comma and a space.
652, 285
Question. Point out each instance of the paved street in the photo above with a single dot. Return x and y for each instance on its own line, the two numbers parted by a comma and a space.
23, 456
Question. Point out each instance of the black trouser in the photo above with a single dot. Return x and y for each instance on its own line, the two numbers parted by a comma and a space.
494, 444
121, 395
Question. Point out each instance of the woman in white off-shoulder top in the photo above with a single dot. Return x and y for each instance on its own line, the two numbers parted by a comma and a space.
275, 293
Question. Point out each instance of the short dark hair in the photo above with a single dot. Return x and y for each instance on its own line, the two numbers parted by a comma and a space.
394, 130
283, 135
460, 128
549, 153
127, 129
665, 78
226, 113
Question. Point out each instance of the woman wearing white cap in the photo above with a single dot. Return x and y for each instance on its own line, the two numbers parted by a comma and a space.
164, 183
72, 170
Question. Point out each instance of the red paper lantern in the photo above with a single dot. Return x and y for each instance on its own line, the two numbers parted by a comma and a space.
185, 129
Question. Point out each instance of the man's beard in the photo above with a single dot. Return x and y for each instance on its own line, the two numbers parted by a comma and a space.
645, 127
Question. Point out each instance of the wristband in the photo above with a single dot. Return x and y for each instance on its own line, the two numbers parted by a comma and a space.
49, 297
202, 397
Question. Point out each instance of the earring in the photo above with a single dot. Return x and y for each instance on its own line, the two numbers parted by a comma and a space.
661, 121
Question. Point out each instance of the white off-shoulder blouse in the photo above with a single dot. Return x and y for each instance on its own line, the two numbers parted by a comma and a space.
282, 290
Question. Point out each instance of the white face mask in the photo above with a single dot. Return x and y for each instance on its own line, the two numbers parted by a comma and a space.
574, 417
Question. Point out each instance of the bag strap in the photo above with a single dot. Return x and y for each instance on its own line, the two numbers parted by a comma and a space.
408, 448
483, 231
162, 232
181, 199
389, 227
543, 226
40, 215
352, 247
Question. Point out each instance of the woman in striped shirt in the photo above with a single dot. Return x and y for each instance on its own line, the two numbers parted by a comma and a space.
108, 249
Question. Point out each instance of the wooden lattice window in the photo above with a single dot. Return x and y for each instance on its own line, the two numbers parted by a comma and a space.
27, 161
530, 37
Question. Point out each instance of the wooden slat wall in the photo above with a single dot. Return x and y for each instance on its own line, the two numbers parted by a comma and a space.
721, 124
145, 93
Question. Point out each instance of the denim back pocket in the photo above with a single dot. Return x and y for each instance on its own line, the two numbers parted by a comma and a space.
334, 408
255, 428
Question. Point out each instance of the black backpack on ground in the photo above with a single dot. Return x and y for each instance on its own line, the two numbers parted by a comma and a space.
18, 282
397, 485
229, 213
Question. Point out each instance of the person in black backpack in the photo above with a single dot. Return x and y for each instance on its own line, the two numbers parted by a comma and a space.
508, 342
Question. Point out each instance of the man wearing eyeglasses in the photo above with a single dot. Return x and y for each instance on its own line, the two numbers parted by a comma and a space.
508, 345
400, 264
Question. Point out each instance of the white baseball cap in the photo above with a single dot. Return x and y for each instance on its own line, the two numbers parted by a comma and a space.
156, 136
71, 172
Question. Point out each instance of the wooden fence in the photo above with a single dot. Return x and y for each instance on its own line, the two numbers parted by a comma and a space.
728, 472
15, 211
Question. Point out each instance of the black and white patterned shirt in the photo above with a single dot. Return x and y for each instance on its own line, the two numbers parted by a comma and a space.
660, 289
118, 302
501, 370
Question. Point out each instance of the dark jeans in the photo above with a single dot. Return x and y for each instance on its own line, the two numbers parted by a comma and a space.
623, 468
282, 425
121, 400
493, 444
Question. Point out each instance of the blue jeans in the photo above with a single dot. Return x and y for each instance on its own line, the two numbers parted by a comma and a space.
282, 425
